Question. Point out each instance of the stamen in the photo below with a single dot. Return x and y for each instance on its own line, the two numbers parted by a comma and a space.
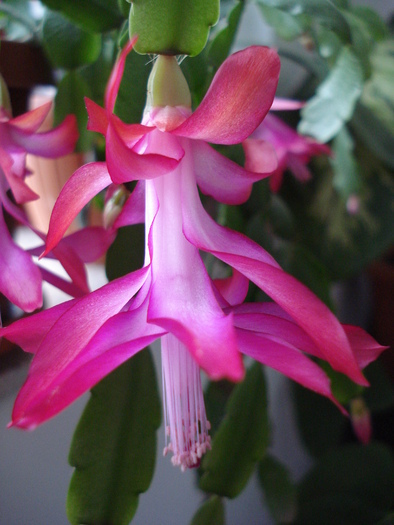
185, 420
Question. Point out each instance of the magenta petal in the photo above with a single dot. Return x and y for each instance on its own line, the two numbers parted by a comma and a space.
90, 243
82, 186
238, 99
116, 77
20, 279
233, 289
182, 299
97, 117
288, 360
222, 178
73, 265
124, 165
31, 120
365, 348
54, 143
133, 211
250, 259
256, 153
62, 349
29, 332
286, 104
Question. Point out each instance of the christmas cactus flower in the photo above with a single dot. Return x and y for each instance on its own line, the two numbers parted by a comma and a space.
20, 277
201, 322
294, 151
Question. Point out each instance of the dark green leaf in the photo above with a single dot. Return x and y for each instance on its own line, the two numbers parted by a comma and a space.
67, 45
335, 99
320, 422
378, 94
346, 173
93, 15
380, 395
220, 46
279, 491
96, 75
126, 254
173, 27
70, 100
210, 513
376, 27
350, 485
343, 389
131, 98
241, 439
114, 446
216, 396
285, 24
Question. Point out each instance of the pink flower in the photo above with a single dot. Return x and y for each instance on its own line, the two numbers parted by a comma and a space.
294, 151
20, 277
201, 322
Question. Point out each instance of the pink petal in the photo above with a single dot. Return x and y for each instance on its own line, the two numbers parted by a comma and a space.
286, 104
13, 167
233, 289
112, 89
223, 179
365, 348
82, 186
20, 279
31, 120
73, 265
50, 144
29, 332
97, 117
67, 287
90, 243
288, 360
124, 165
238, 99
256, 153
182, 300
251, 260
133, 211
42, 395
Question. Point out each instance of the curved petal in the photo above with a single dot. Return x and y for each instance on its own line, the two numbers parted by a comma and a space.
62, 348
286, 104
31, 120
365, 348
73, 265
256, 152
20, 279
124, 165
14, 170
182, 300
121, 337
29, 332
112, 88
232, 289
97, 117
288, 360
298, 301
238, 99
82, 186
222, 178
133, 211
90, 243
50, 144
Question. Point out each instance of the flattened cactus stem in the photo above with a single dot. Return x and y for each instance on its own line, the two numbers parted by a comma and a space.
5, 101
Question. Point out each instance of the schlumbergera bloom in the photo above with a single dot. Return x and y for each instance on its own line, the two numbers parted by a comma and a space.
201, 322
294, 151
20, 278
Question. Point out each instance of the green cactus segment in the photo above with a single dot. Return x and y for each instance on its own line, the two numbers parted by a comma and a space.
173, 27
